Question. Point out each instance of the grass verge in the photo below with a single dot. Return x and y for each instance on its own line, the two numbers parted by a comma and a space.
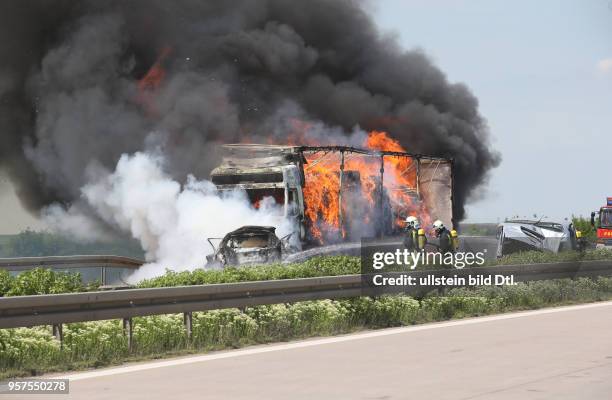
32, 351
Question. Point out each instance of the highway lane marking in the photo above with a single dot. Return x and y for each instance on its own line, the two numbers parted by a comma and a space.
317, 342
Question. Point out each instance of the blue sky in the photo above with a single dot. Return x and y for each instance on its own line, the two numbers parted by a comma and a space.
542, 72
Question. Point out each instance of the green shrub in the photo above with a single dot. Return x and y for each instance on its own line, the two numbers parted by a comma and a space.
392, 311
223, 328
537, 257
336, 265
318, 266
6, 282
28, 349
158, 333
584, 225
102, 341
44, 281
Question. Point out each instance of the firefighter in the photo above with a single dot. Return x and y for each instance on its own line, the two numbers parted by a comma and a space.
411, 239
455, 239
422, 239
445, 237
581, 243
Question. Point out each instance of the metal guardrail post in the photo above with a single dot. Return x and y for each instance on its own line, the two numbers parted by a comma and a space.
128, 329
58, 332
188, 321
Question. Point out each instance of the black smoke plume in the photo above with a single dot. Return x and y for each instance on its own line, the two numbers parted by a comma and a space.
70, 95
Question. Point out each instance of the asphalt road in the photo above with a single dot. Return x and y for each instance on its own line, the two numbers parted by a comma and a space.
486, 244
563, 353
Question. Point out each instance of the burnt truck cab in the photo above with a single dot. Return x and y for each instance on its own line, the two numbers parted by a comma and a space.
247, 245
265, 171
602, 220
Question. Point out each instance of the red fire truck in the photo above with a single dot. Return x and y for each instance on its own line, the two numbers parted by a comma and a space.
603, 223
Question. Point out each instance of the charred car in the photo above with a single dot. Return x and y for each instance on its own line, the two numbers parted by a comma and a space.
525, 235
248, 245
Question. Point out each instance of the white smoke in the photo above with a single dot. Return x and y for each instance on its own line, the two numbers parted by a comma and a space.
74, 223
171, 221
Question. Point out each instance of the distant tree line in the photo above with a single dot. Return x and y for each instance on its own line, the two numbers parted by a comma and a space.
584, 225
478, 229
31, 243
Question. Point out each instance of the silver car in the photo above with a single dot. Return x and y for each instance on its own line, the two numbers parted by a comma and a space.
525, 235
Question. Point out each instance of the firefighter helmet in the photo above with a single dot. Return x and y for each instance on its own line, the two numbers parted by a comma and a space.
438, 224
411, 220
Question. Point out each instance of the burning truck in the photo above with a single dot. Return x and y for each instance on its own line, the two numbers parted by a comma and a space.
334, 194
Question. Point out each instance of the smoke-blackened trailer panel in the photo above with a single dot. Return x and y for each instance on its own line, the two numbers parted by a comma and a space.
436, 188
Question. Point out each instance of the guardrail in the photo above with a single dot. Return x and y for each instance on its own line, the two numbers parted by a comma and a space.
24, 311
66, 262
109, 266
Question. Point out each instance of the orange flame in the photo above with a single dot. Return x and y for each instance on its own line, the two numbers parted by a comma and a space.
321, 192
148, 85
